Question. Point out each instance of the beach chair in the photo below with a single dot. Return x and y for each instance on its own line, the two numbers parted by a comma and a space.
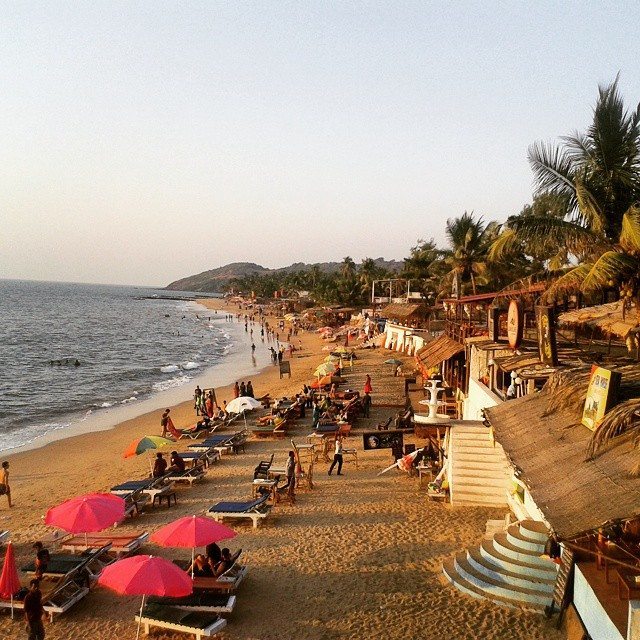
188, 475
121, 545
91, 561
234, 443
228, 582
4, 536
201, 458
203, 601
255, 510
262, 468
201, 625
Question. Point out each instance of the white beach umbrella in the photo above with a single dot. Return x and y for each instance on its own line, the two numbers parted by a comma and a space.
243, 403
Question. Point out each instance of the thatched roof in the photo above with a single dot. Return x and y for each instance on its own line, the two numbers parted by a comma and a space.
606, 317
542, 436
517, 361
436, 351
402, 311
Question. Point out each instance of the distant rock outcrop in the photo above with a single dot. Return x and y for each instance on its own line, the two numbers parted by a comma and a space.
214, 280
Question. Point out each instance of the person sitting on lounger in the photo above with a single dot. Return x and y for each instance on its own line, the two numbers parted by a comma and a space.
160, 466
200, 567
213, 553
225, 564
42, 559
177, 463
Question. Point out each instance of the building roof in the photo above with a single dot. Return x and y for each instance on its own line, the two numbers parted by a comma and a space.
606, 317
549, 448
517, 361
398, 310
440, 349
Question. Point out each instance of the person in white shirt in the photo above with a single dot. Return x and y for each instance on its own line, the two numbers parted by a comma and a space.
337, 457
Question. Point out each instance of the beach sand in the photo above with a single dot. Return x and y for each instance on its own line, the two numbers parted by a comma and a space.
358, 557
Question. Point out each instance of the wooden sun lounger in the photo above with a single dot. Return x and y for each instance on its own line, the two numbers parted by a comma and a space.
208, 602
201, 625
122, 545
188, 475
256, 510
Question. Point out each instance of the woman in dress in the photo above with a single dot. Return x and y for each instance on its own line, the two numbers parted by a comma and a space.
367, 384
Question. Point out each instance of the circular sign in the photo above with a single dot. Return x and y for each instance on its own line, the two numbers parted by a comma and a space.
514, 324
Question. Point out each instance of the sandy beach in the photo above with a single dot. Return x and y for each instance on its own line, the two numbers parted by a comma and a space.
358, 557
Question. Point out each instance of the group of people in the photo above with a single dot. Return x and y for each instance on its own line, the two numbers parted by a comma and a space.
243, 390
204, 402
161, 467
212, 565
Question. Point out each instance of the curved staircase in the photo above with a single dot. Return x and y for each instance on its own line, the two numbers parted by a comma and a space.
507, 569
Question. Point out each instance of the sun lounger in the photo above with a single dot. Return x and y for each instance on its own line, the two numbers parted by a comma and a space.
92, 561
204, 601
4, 536
196, 458
262, 468
256, 510
122, 545
234, 444
228, 582
188, 475
130, 486
210, 443
60, 597
201, 625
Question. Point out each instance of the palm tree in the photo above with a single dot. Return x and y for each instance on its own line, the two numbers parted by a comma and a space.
598, 173
468, 239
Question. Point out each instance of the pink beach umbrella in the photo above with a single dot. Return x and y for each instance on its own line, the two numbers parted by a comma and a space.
146, 576
84, 514
192, 531
9, 578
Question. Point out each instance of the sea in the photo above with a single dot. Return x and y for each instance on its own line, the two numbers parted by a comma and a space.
79, 357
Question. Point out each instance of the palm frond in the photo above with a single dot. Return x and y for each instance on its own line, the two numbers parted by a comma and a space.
590, 209
506, 242
568, 283
611, 265
553, 168
624, 418
630, 235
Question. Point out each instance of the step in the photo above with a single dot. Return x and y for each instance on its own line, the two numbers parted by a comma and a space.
482, 464
479, 489
481, 472
483, 445
478, 456
450, 572
498, 573
535, 530
522, 541
459, 430
463, 499
498, 587
489, 479
505, 547
545, 571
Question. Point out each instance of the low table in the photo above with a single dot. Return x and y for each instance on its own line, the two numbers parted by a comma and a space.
166, 495
271, 485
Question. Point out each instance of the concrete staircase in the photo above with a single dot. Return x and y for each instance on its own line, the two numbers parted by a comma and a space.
507, 569
480, 473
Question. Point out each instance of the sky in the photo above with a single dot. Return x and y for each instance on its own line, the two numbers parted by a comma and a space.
141, 142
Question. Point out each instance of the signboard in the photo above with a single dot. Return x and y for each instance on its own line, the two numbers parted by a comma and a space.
545, 322
285, 367
493, 322
601, 395
382, 440
515, 322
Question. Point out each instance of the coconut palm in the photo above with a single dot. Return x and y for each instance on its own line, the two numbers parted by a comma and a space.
469, 241
597, 172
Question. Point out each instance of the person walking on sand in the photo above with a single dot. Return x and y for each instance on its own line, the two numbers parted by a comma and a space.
337, 456
5, 487
291, 477
236, 390
367, 384
34, 611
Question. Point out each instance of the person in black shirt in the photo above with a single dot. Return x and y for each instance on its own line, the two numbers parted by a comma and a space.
177, 463
160, 466
34, 611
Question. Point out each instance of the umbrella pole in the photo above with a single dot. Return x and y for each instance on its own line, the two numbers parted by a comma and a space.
12, 606
140, 618
193, 559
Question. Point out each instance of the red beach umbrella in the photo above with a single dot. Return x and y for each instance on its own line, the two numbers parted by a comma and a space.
146, 576
192, 531
91, 512
9, 578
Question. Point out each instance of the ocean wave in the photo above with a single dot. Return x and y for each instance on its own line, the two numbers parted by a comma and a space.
106, 405
191, 365
171, 383
170, 368
127, 400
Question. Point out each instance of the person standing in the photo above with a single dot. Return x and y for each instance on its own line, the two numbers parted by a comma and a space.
366, 405
243, 389
5, 487
291, 477
250, 390
317, 412
236, 390
197, 397
164, 421
34, 611
337, 456
367, 384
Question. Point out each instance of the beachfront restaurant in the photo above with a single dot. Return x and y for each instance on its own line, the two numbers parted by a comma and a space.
585, 487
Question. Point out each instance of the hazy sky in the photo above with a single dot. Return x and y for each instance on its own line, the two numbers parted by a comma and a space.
141, 142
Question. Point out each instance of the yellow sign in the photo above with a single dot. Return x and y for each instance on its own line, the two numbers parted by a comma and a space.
601, 394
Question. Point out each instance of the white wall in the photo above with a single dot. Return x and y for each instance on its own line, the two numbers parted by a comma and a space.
479, 397
592, 613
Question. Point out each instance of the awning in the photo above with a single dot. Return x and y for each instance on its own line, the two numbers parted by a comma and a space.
402, 311
436, 351
606, 317
515, 362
